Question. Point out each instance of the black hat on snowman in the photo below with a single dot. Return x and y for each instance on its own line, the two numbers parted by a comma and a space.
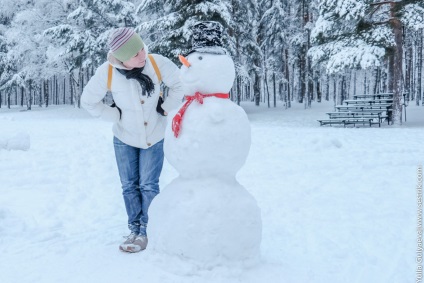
206, 38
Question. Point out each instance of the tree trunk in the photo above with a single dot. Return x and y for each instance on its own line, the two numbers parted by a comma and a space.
64, 90
365, 82
318, 86
384, 79
419, 69
29, 97
8, 99
46, 93
22, 96
56, 83
348, 80
275, 91
58, 89
15, 91
71, 89
310, 72
288, 79
304, 72
310, 88
327, 91
376, 75
40, 97
53, 90
294, 87
391, 73
343, 89
397, 74
354, 83
239, 89
80, 87
302, 76
267, 89
408, 68
257, 88
335, 90
280, 91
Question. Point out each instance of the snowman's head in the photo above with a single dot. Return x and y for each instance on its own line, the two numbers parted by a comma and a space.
207, 72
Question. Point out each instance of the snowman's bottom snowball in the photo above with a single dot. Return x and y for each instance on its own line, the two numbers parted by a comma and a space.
207, 220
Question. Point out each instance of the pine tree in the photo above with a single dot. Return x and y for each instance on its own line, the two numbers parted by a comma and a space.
5, 67
275, 25
244, 45
167, 24
83, 36
81, 39
361, 34
26, 56
246, 31
8, 11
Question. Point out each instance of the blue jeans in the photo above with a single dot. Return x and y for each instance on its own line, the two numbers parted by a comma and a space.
139, 170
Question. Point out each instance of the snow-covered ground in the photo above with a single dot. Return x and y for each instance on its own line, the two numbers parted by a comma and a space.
338, 204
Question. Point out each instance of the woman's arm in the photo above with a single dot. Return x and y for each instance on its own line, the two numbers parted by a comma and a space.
94, 92
171, 78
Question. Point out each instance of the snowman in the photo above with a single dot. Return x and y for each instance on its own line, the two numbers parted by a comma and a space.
204, 214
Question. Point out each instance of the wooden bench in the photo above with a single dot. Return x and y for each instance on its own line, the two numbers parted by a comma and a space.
374, 96
363, 121
330, 122
383, 114
369, 101
350, 114
348, 121
364, 107
378, 116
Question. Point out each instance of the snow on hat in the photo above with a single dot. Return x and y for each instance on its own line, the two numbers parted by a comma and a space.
206, 37
125, 43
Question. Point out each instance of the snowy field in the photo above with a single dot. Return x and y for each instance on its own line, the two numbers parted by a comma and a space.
338, 204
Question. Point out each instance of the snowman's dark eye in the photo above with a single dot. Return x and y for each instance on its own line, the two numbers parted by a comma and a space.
200, 57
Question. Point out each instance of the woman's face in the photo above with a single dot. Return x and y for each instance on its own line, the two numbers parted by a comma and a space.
138, 61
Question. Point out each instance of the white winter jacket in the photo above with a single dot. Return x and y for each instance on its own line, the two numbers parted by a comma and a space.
140, 125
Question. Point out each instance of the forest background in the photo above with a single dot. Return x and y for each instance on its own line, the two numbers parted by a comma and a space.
285, 51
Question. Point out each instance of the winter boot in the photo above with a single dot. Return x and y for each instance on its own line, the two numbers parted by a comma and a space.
134, 243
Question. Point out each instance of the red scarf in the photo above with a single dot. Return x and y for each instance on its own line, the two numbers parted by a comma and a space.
176, 121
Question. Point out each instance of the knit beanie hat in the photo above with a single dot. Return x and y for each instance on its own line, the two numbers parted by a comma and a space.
125, 43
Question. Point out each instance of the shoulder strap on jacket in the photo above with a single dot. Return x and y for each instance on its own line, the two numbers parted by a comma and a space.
110, 71
155, 66
109, 78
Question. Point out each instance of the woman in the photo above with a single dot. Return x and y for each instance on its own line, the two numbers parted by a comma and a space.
139, 122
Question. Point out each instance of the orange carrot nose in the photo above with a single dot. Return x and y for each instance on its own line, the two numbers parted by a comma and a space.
184, 61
